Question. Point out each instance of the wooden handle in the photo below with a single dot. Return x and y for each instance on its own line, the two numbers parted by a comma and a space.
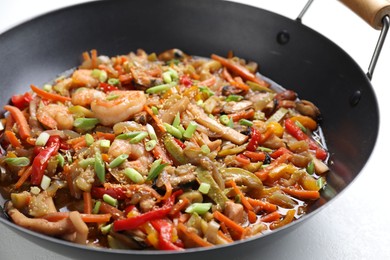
372, 11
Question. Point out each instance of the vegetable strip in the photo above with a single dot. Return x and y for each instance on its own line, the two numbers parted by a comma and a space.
24, 128
50, 96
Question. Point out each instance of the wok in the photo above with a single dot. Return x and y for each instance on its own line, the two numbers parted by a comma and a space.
290, 53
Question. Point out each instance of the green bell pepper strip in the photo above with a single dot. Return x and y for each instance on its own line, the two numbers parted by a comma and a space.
215, 193
174, 149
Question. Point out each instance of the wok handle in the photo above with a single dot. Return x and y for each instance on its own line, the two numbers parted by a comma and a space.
372, 11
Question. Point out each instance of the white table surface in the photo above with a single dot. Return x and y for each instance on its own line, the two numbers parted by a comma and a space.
356, 224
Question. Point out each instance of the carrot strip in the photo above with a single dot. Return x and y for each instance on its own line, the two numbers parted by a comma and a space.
107, 136
50, 96
57, 216
242, 115
267, 134
240, 84
96, 218
226, 75
86, 56
179, 206
23, 177
14, 141
168, 192
192, 236
94, 58
87, 202
81, 144
242, 159
252, 217
238, 69
263, 173
105, 157
274, 216
228, 222
302, 194
155, 118
255, 156
9, 122
244, 200
87, 218
269, 207
286, 220
75, 140
208, 82
17, 115
22, 170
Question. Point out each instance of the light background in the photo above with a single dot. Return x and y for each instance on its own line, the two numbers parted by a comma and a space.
356, 224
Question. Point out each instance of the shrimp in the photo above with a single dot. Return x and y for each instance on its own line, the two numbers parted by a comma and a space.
85, 96
119, 146
139, 158
55, 116
84, 77
119, 107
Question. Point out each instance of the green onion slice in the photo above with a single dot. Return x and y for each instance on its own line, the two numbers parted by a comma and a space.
96, 208
160, 88
155, 169
173, 131
42, 139
17, 161
118, 160
151, 132
199, 208
85, 123
149, 145
128, 135
89, 139
110, 200
138, 138
134, 175
191, 128
99, 167
245, 122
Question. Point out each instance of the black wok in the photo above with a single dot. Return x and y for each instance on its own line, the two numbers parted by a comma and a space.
290, 53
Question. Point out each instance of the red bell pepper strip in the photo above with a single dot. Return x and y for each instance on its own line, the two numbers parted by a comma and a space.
185, 80
254, 141
164, 229
22, 101
180, 143
41, 161
136, 221
116, 193
297, 132
255, 156
107, 87
280, 152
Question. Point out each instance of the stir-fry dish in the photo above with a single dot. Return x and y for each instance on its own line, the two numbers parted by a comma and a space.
159, 152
